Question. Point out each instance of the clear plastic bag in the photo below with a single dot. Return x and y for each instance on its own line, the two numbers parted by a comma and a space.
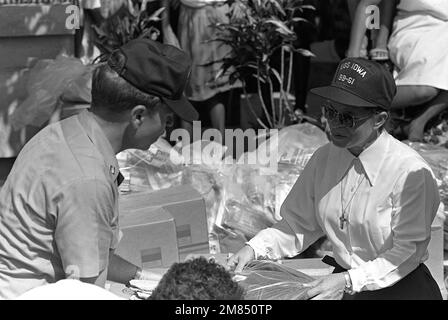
240, 199
149, 170
295, 144
437, 158
46, 83
249, 201
267, 280
252, 196
163, 166
79, 89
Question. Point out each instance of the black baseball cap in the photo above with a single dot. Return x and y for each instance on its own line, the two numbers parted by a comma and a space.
161, 70
360, 82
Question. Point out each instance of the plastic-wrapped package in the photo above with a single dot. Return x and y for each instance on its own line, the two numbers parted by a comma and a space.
246, 219
285, 179
252, 198
203, 167
295, 144
437, 158
209, 185
241, 199
47, 81
248, 200
149, 170
79, 90
267, 280
163, 166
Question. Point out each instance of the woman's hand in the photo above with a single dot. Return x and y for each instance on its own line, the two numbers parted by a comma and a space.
329, 288
240, 259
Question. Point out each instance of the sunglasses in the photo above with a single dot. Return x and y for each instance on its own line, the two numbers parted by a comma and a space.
344, 119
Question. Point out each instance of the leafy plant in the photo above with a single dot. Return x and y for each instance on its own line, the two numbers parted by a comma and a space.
127, 24
256, 32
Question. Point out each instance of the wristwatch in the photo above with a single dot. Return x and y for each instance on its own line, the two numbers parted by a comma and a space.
348, 289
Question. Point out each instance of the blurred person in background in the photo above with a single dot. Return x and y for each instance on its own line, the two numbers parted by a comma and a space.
361, 14
90, 15
418, 46
195, 30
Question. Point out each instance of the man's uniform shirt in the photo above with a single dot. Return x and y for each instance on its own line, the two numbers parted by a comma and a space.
389, 196
59, 207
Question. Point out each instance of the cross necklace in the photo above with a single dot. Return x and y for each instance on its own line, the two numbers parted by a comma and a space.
342, 218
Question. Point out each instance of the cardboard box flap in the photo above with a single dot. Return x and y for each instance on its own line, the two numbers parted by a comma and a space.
149, 238
184, 203
159, 198
144, 216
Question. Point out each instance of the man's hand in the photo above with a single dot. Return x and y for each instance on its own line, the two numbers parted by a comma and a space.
147, 275
240, 259
329, 288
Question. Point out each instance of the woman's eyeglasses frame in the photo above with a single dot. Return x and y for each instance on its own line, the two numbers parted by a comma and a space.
344, 119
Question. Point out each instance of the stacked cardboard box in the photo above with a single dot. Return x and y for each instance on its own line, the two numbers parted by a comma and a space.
141, 217
149, 238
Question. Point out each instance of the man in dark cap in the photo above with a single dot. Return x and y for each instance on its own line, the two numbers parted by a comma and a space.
59, 205
372, 196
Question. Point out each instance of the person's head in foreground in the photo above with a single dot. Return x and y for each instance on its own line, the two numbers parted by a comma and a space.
357, 103
69, 289
197, 279
138, 88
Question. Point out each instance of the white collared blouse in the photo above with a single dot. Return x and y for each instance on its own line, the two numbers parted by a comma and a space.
376, 209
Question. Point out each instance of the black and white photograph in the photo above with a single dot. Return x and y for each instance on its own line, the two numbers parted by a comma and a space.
229, 156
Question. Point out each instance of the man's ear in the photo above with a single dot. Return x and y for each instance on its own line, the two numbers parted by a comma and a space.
381, 119
137, 115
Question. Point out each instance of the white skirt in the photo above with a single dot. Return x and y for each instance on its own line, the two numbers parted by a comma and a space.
418, 47
195, 32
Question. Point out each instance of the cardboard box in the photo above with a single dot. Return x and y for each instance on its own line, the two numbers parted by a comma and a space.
149, 238
187, 207
219, 258
184, 252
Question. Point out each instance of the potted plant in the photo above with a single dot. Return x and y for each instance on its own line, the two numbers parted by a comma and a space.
126, 24
258, 32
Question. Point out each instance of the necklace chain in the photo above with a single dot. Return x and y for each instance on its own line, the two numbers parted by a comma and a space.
342, 218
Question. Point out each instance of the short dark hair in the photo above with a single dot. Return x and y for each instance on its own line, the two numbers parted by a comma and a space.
113, 93
197, 279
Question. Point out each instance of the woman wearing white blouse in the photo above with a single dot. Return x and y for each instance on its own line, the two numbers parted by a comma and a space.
371, 195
